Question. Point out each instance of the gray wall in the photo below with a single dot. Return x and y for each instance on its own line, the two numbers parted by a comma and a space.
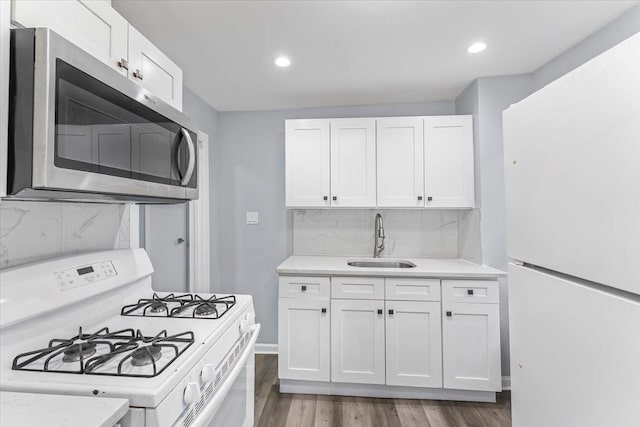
250, 172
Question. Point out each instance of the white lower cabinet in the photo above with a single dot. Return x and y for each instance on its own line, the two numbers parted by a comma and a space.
414, 344
408, 339
471, 346
304, 339
357, 341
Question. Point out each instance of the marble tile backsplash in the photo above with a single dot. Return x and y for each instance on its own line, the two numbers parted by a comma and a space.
409, 233
33, 231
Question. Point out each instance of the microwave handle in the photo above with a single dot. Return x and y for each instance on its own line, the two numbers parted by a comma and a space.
192, 158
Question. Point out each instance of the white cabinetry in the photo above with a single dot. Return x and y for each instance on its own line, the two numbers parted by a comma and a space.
303, 336
353, 163
153, 70
471, 336
448, 160
101, 31
307, 163
91, 25
357, 341
400, 162
414, 348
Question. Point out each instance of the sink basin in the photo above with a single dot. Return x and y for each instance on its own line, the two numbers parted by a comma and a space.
381, 264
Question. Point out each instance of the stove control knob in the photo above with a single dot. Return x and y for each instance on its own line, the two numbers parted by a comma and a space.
191, 393
251, 319
208, 374
244, 327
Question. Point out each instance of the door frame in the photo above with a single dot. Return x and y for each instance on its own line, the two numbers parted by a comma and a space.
198, 216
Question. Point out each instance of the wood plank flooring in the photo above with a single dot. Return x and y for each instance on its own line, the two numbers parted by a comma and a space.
273, 409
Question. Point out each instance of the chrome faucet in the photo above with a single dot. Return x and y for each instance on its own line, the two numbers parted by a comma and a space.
378, 236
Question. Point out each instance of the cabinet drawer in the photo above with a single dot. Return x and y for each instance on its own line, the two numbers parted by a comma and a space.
412, 289
357, 287
304, 287
479, 291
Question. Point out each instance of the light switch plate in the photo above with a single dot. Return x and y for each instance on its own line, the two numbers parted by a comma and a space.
252, 218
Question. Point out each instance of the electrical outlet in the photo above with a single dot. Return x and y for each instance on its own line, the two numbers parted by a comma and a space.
252, 218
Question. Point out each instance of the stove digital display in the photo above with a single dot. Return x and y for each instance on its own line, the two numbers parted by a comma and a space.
85, 270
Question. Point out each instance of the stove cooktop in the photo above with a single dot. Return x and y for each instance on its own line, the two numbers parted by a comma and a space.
126, 353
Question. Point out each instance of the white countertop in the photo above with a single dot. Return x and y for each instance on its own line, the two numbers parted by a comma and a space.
425, 267
31, 409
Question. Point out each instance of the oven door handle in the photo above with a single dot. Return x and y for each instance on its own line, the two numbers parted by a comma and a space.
204, 418
192, 158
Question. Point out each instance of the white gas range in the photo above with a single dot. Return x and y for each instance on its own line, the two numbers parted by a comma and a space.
91, 325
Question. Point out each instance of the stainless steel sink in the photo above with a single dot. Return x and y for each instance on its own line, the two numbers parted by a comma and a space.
381, 264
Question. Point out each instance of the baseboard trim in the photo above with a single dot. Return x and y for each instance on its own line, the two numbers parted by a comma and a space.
506, 383
266, 348
375, 390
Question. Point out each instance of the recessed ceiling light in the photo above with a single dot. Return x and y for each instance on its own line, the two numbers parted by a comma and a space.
282, 61
477, 47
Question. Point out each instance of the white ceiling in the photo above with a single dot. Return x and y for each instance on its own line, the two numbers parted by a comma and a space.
357, 52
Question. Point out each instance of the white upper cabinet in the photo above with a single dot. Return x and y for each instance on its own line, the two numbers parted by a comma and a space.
307, 163
97, 28
448, 159
153, 70
353, 163
400, 162
91, 25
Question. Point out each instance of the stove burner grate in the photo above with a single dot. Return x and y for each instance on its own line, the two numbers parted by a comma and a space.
124, 346
186, 305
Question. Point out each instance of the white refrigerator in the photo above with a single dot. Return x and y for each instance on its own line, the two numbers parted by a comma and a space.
572, 171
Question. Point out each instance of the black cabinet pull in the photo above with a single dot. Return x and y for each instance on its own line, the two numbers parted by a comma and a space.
379, 311
324, 310
303, 287
335, 198
429, 198
391, 311
325, 198
419, 197
448, 314
469, 291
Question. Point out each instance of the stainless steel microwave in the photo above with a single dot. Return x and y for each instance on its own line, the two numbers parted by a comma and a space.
80, 131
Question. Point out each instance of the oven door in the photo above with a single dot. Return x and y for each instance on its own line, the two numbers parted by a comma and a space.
233, 402
95, 131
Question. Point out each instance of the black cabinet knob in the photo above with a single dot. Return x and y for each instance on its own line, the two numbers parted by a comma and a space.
303, 287
469, 291
335, 197
379, 311
324, 310
429, 198
325, 198
448, 314
391, 311
419, 197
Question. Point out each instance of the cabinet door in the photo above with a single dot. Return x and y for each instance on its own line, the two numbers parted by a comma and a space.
153, 70
353, 163
471, 346
400, 162
357, 341
91, 25
414, 348
307, 163
303, 337
448, 159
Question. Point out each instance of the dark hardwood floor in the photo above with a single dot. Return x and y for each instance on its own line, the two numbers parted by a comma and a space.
274, 409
